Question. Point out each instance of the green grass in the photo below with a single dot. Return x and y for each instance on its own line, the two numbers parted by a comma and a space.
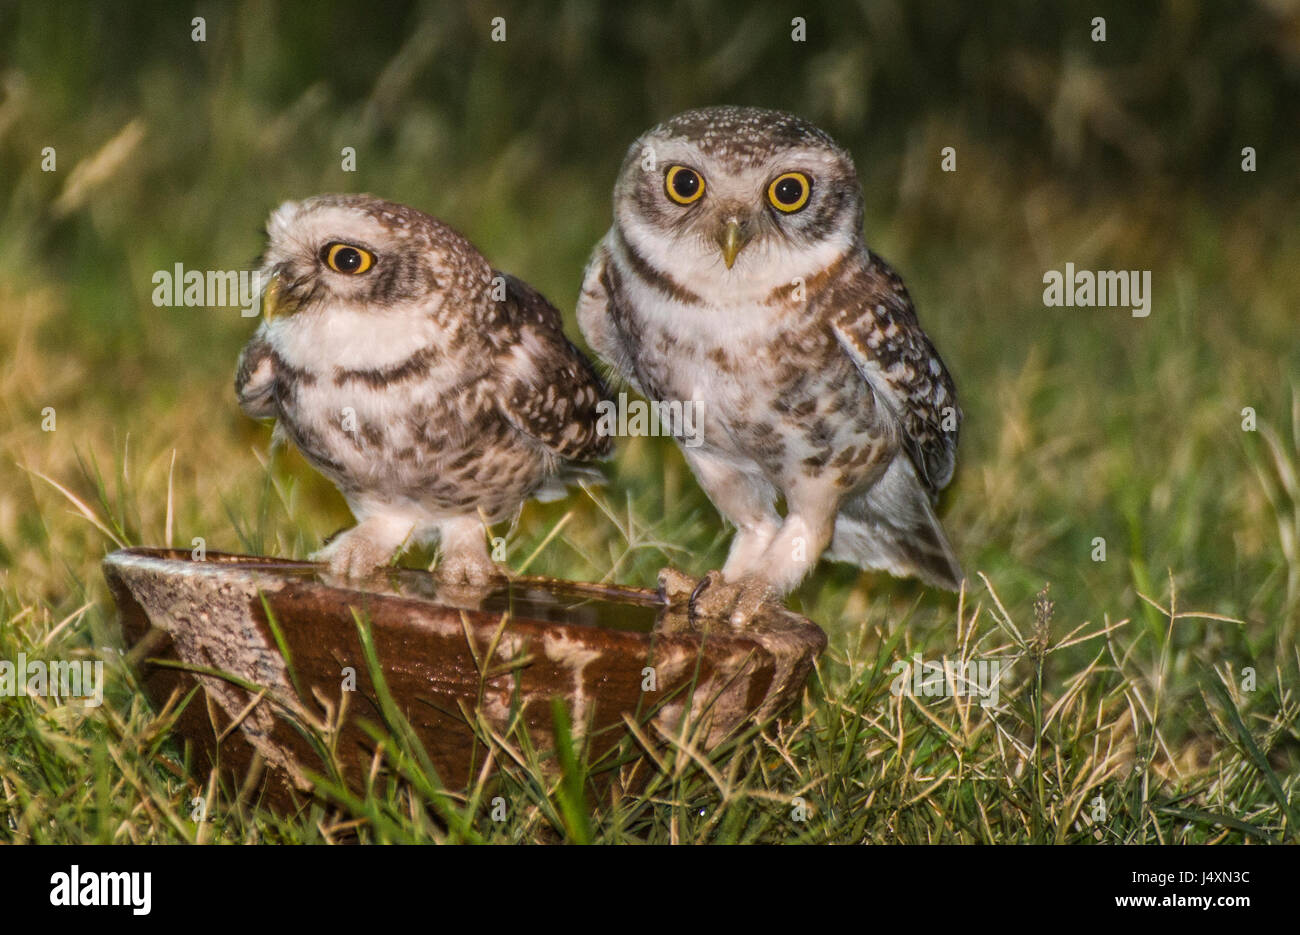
1080, 423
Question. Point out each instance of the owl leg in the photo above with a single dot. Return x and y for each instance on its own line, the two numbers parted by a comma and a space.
746, 502
366, 546
748, 547
789, 555
465, 561
803, 537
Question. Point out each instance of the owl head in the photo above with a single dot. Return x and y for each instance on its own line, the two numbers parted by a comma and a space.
738, 192
365, 255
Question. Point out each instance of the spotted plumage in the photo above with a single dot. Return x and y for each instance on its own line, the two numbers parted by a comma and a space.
433, 391
736, 274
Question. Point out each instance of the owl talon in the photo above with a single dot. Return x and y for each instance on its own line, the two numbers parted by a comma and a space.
328, 541
738, 603
468, 572
676, 588
352, 554
755, 596
703, 585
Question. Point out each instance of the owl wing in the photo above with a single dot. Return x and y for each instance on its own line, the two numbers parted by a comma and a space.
255, 378
874, 321
601, 288
549, 391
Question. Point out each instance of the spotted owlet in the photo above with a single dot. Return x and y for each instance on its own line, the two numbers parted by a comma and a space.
431, 390
736, 276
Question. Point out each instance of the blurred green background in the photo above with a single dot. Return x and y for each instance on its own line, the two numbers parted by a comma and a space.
1081, 423
1123, 154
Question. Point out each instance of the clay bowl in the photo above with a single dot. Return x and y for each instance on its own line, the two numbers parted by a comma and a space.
445, 657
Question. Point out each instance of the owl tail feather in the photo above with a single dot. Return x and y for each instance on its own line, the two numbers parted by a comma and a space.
892, 527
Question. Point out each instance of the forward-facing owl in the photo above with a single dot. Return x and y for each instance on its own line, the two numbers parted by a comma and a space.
736, 275
433, 391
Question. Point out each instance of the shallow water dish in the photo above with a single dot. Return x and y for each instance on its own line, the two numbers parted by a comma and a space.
282, 628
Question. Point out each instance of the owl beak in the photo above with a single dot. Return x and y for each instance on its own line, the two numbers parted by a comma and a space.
732, 240
274, 304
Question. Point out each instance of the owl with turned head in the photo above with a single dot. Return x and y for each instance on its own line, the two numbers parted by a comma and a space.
736, 275
433, 391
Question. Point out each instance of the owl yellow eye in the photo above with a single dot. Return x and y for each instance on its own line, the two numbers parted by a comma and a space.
789, 192
683, 185
347, 259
